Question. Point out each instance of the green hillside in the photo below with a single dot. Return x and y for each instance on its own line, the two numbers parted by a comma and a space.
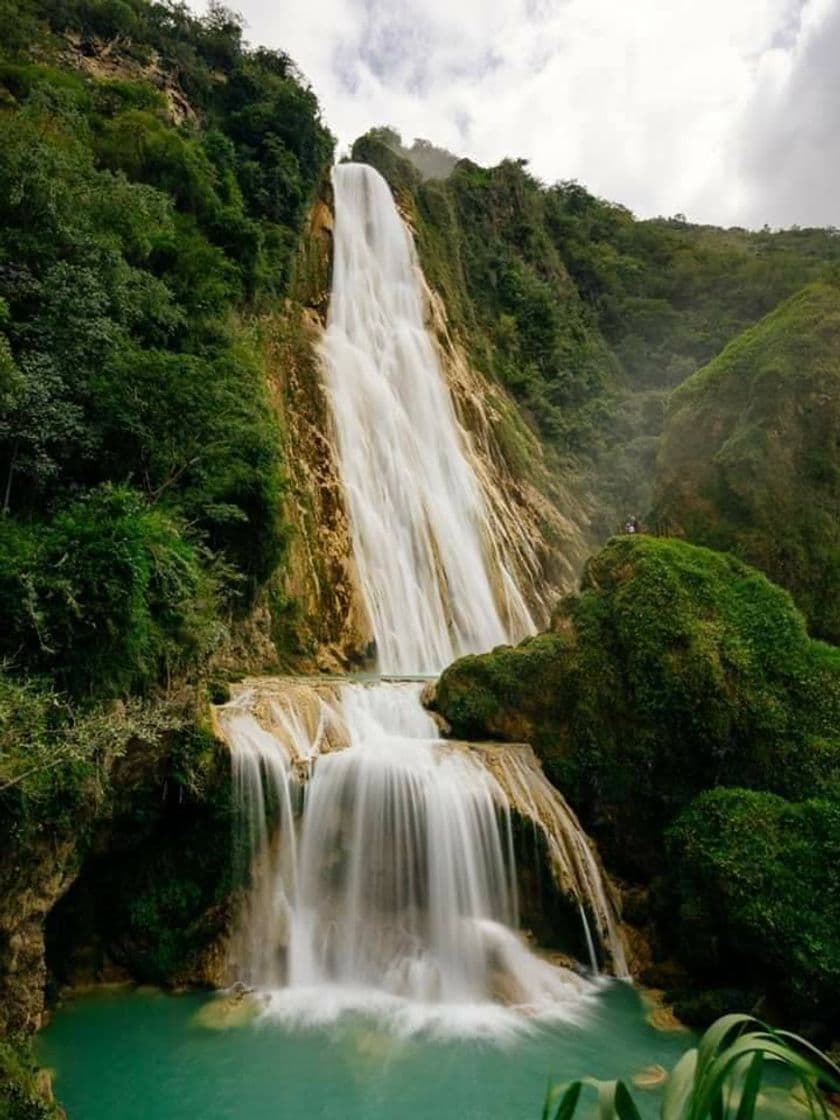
750, 460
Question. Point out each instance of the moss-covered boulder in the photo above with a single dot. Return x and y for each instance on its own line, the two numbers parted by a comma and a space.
675, 670
755, 896
750, 458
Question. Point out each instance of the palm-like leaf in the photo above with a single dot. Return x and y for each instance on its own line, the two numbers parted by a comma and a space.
732, 1055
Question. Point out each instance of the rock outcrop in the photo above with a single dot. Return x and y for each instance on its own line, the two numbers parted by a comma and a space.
30, 886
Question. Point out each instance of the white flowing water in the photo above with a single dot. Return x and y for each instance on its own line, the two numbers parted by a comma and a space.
432, 577
399, 892
396, 886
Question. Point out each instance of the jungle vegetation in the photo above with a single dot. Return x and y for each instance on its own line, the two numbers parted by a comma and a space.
155, 172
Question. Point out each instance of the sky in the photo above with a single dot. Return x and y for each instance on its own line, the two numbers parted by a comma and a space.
727, 111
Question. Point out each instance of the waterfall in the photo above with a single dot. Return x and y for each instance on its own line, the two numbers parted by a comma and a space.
431, 574
574, 864
400, 888
381, 857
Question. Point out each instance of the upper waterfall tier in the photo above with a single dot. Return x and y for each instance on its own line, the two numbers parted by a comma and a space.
433, 579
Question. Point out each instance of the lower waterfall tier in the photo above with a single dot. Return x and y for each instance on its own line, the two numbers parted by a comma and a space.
381, 857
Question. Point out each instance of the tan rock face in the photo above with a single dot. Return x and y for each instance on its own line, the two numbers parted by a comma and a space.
297, 711
537, 525
320, 575
329, 631
105, 60
28, 892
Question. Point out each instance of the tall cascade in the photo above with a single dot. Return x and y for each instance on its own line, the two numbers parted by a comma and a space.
380, 856
433, 579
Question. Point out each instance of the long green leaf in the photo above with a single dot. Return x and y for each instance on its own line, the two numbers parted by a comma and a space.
717, 1036
709, 1091
750, 1088
568, 1100
551, 1095
615, 1101
625, 1106
678, 1087
606, 1099
702, 1084
829, 1071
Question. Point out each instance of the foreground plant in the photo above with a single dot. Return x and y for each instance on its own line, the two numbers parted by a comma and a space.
720, 1078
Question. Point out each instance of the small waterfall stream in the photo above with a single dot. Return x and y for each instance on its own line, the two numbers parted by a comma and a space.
381, 857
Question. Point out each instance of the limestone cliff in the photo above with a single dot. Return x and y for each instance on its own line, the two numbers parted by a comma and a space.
318, 618
29, 888
116, 878
320, 604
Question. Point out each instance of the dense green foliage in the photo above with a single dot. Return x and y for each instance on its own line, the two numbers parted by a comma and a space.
56, 759
155, 173
722, 1077
668, 294
756, 894
750, 460
20, 1095
678, 670
585, 314
140, 462
157, 888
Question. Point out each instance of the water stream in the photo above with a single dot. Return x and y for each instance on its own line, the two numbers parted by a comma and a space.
398, 885
398, 890
433, 579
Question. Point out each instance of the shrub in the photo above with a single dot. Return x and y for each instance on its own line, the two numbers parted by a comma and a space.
756, 894
106, 596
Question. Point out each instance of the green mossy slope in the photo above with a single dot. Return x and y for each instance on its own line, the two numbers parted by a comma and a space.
677, 671
750, 459
755, 892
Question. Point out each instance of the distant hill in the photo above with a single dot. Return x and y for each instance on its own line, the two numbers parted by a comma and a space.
587, 315
750, 456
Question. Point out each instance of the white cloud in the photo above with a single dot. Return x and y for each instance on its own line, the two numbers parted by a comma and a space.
664, 106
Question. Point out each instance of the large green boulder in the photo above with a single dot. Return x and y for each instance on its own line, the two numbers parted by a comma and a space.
750, 457
676, 669
755, 898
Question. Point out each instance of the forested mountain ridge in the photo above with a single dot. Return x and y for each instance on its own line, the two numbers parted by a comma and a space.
749, 460
589, 316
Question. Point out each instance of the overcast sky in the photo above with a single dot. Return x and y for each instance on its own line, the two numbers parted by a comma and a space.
725, 110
